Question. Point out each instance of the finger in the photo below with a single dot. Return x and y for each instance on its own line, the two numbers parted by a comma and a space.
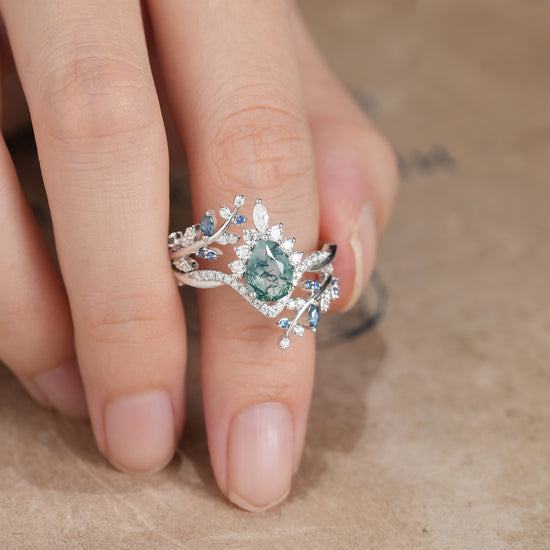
240, 112
35, 323
103, 154
36, 336
355, 166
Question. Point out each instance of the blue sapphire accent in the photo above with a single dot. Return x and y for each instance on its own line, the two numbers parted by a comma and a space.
200, 253
171, 240
283, 323
312, 285
239, 220
335, 287
210, 255
313, 316
207, 225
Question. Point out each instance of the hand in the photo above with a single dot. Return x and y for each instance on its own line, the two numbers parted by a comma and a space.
258, 113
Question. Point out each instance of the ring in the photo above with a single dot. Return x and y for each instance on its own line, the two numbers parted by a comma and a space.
267, 273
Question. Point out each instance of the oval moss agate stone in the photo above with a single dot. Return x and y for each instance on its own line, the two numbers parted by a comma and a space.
268, 272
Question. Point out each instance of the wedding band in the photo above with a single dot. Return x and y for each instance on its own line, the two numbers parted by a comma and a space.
267, 272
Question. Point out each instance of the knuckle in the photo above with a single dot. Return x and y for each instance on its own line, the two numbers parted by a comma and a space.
260, 372
267, 141
96, 97
34, 332
131, 318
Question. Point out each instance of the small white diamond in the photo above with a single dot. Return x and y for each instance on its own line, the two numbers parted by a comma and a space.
296, 258
284, 343
275, 232
228, 238
325, 301
239, 200
237, 267
225, 213
250, 236
243, 252
287, 245
182, 265
298, 330
260, 217
291, 304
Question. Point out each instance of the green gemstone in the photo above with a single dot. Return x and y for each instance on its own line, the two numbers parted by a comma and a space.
268, 272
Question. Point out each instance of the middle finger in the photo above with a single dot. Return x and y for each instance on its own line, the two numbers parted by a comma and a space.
238, 103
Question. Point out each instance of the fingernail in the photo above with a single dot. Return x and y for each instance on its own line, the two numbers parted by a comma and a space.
139, 431
363, 244
259, 469
63, 389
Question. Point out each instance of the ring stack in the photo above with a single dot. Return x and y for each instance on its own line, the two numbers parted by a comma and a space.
268, 272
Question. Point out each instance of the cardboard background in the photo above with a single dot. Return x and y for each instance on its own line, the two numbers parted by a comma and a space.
431, 431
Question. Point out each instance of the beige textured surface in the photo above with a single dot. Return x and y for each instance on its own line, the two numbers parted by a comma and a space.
432, 431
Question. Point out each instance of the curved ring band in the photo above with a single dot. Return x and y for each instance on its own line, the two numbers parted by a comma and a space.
268, 271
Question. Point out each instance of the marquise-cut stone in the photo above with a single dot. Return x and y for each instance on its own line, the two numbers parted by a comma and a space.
207, 225
260, 217
268, 272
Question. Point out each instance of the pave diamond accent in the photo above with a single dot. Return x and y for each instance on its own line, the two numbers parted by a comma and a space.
251, 236
243, 252
296, 258
237, 267
287, 245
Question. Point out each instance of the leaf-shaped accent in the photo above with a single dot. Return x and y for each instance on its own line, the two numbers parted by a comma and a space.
227, 238
225, 213
324, 302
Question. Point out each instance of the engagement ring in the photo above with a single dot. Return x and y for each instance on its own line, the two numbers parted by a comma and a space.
267, 272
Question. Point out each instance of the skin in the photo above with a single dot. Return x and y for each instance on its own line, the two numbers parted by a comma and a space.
258, 112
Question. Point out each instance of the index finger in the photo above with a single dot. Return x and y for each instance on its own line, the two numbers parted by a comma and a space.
104, 160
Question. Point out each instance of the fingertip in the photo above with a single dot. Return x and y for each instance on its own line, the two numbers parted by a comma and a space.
140, 433
348, 219
260, 456
363, 245
62, 389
